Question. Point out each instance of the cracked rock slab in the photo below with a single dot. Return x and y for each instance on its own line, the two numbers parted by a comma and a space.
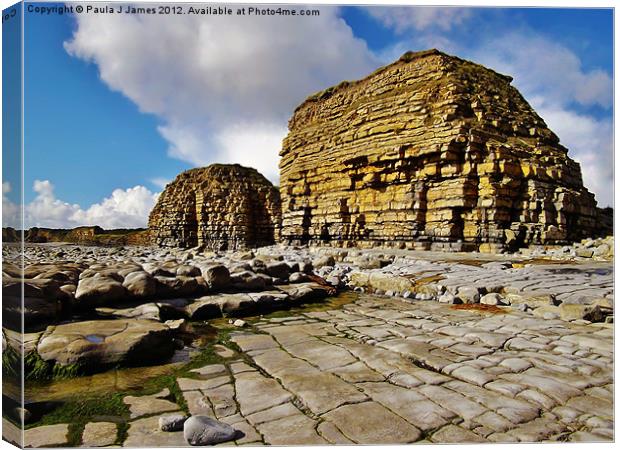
47, 436
106, 342
371, 423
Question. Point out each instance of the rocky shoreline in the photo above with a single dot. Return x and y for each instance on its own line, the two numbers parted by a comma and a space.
131, 299
377, 371
91, 309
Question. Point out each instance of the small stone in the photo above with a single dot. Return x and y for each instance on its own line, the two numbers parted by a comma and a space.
203, 430
172, 422
584, 252
23, 414
176, 325
324, 261
449, 299
239, 323
469, 294
491, 299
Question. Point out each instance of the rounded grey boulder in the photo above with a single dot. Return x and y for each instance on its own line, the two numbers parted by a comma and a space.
203, 430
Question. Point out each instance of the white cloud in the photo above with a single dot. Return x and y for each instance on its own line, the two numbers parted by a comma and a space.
10, 211
46, 210
211, 78
420, 18
591, 144
546, 69
160, 182
252, 145
227, 95
128, 208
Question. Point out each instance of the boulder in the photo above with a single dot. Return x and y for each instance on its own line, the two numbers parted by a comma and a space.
217, 277
103, 343
449, 299
602, 250
149, 311
204, 308
35, 311
584, 252
140, 284
247, 281
188, 271
306, 292
179, 286
491, 299
581, 312
469, 294
326, 260
98, 291
297, 277
232, 304
203, 430
278, 269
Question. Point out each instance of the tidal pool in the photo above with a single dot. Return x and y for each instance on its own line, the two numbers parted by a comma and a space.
199, 336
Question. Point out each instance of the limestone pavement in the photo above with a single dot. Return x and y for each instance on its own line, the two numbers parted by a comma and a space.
385, 371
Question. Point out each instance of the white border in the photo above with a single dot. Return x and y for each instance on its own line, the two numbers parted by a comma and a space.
473, 3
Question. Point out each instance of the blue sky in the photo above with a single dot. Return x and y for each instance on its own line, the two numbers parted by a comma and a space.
117, 105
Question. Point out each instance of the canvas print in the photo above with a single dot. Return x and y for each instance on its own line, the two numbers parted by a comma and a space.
291, 224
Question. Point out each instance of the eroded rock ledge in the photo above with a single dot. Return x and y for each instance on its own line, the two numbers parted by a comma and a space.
430, 151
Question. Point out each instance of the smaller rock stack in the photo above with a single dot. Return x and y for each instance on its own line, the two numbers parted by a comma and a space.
219, 207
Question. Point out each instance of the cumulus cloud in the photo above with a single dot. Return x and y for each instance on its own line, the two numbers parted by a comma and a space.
160, 182
124, 208
10, 210
224, 87
591, 144
127, 208
420, 18
546, 70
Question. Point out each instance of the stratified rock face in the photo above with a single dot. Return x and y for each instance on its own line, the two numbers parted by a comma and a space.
220, 207
429, 149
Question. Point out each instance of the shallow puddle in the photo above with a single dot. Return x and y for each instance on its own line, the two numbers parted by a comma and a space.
94, 338
198, 335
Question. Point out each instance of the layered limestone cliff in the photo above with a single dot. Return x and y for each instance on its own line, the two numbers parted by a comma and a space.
220, 207
431, 151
